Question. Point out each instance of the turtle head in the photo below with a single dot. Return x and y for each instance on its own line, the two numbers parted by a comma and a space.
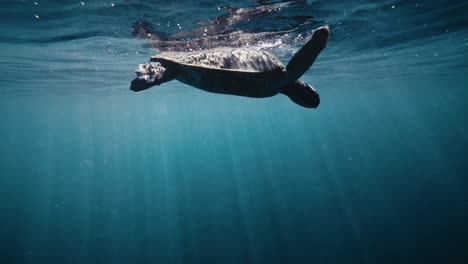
150, 74
302, 94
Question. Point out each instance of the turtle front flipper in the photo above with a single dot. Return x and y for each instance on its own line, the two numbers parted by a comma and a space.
305, 57
151, 74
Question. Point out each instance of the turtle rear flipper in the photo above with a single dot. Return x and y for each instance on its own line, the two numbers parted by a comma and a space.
305, 57
302, 94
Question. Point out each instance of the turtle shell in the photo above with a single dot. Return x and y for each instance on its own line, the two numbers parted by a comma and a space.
226, 59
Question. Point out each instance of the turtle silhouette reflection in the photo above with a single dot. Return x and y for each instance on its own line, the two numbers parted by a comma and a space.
224, 30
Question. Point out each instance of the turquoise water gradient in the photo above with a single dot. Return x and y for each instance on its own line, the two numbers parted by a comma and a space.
372, 177
91, 172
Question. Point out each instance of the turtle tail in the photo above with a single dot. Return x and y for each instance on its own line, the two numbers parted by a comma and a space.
305, 57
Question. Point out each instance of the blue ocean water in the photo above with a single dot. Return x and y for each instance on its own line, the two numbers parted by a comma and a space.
91, 172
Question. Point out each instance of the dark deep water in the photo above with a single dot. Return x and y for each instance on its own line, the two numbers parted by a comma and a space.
91, 172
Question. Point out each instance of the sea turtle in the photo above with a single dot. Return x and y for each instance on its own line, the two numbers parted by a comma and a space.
237, 71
